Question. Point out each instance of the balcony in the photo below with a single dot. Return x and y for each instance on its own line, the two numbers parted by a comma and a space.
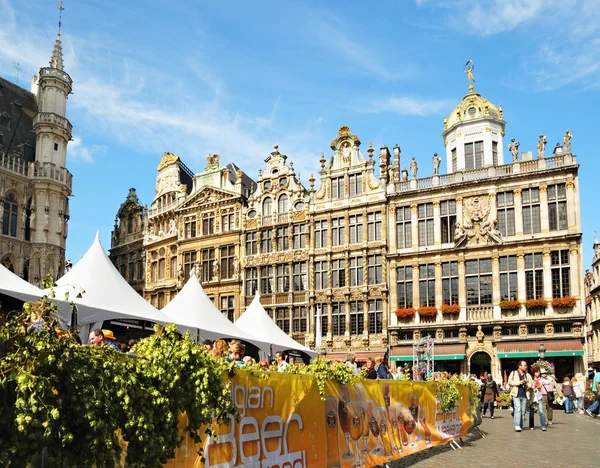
14, 164
50, 171
163, 208
53, 72
55, 120
480, 314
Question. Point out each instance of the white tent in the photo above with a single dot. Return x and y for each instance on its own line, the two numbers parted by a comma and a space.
105, 293
13, 286
192, 310
256, 322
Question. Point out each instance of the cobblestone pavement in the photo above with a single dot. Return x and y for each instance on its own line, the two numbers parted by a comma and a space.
572, 440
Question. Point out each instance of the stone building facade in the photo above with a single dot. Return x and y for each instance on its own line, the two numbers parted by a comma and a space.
35, 184
485, 258
592, 288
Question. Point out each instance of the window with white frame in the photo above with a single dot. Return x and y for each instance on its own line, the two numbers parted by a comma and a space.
530, 199
479, 281
375, 316
357, 320
534, 276
403, 227
266, 241
283, 278
505, 209
321, 275
338, 273
251, 245
508, 278
355, 187
450, 282
355, 224
557, 207
300, 276
560, 271
374, 269
337, 231
321, 234
299, 236
374, 226
266, 280
427, 285
337, 188
356, 271
447, 220
338, 318
425, 215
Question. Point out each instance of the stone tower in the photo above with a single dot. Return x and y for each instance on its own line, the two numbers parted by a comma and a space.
51, 180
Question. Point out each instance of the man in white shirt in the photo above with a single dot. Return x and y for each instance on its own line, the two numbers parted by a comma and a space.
281, 364
351, 362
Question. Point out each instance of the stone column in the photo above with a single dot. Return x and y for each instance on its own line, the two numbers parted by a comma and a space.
393, 293
496, 287
545, 221
518, 213
392, 240
576, 268
462, 290
459, 211
346, 230
365, 231
365, 304
329, 233
547, 262
415, 279
439, 295
572, 206
437, 231
414, 225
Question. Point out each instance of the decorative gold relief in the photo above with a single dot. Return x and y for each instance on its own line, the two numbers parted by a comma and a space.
570, 184
299, 215
373, 183
168, 158
517, 192
543, 188
492, 196
459, 200
488, 129
436, 204
413, 207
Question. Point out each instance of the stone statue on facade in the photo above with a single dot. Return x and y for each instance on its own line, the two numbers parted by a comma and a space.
436, 163
513, 147
32, 218
23, 219
480, 335
216, 268
567, 142
180, 275
172, 226
414, 167
236, 268
46, 221
346, 152
60, 224
459, 235
541, 147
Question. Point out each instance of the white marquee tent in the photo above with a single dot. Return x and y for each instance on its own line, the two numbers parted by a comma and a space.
14, 286
192, 310
256, 322
105, 293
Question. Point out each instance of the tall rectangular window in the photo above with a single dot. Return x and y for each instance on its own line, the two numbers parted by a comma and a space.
282, 318
375, 316
299, 236
561, 287
495, 153
557, 207
374, 226
251, 281
425, 214
251, 246
357, 318
338, 273
227, 257
403, 227
473, 155
154, 271
427, 285
355, 224
405, 286
227, 222
266, 280
356, 271
283, 278
337, 188
208, 224
140, 267
131, 263
479, 281
300, 276
173, 269
508, 278
189, 259
450, 282
355, 184
337, 231
161, 268
320, 234
190, 228
338, 318
299, 319
321, 275
374, 269
266, 241
324, 317
534, 276
531, 210
10, 215
227, 307
505, 208
208, 258
454, 160
282, 239
448, 220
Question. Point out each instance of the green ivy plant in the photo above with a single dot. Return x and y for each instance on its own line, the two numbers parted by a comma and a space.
323, 370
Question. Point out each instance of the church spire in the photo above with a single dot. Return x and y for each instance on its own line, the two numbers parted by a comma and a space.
56, 61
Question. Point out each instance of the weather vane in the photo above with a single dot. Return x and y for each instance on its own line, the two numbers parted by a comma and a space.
61, 8
468, 69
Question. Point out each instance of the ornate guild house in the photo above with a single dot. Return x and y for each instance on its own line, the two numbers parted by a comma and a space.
485, 258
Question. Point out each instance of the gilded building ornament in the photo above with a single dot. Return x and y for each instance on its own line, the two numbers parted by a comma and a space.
570, 184
492, 196
413, 207
459, 200
517, 192
436, 204
488, 129
574, 249
479, 226
167, 159
373, 183
543, 188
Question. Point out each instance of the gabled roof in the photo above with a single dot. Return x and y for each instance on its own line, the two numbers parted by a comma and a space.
14, 286
105, 293
195, 311
207, 195
256, 322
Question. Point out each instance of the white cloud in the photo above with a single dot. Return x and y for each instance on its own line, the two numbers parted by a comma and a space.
406, 105
76, 151
495, 16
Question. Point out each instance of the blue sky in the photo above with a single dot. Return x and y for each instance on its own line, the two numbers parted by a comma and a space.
237, 77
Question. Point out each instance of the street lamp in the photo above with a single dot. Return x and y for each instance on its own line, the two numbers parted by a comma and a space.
542, 351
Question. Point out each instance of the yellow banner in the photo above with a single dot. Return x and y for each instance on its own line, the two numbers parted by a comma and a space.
285, 424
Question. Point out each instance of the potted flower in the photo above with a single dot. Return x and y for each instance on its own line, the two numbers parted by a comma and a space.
564, 302
405, 312
504, 400
448, 309
427, 311
509, 305
540, 303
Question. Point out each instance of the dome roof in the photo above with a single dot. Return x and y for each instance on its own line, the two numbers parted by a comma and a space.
472, 107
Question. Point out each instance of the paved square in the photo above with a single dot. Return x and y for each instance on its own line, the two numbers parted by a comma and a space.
571, 441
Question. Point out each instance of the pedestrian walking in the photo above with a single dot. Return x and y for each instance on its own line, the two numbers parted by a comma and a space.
593, 410
578, 390
490, 393
536, 403
548, 388
567, 391
520, 390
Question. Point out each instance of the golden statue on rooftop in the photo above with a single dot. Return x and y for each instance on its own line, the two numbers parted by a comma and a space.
468, 69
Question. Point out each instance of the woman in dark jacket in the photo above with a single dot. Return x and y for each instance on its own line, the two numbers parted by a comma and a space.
489, 394
370, 367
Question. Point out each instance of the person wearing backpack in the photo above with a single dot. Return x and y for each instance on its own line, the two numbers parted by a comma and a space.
593, 410
520, 383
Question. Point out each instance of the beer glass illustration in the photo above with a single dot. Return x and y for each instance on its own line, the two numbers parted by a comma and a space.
400, 412
395, 436
423, 422
384, 433
409, 426
362, 400
374, 427
357, 427
331, 426
385, 388
413, 405
344, 416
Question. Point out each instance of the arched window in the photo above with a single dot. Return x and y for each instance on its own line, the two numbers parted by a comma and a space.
267, 207
8, 264
9, 218
282, 204
130, 223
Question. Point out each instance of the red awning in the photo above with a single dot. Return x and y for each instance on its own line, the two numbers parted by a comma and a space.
534, 346
439, 350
